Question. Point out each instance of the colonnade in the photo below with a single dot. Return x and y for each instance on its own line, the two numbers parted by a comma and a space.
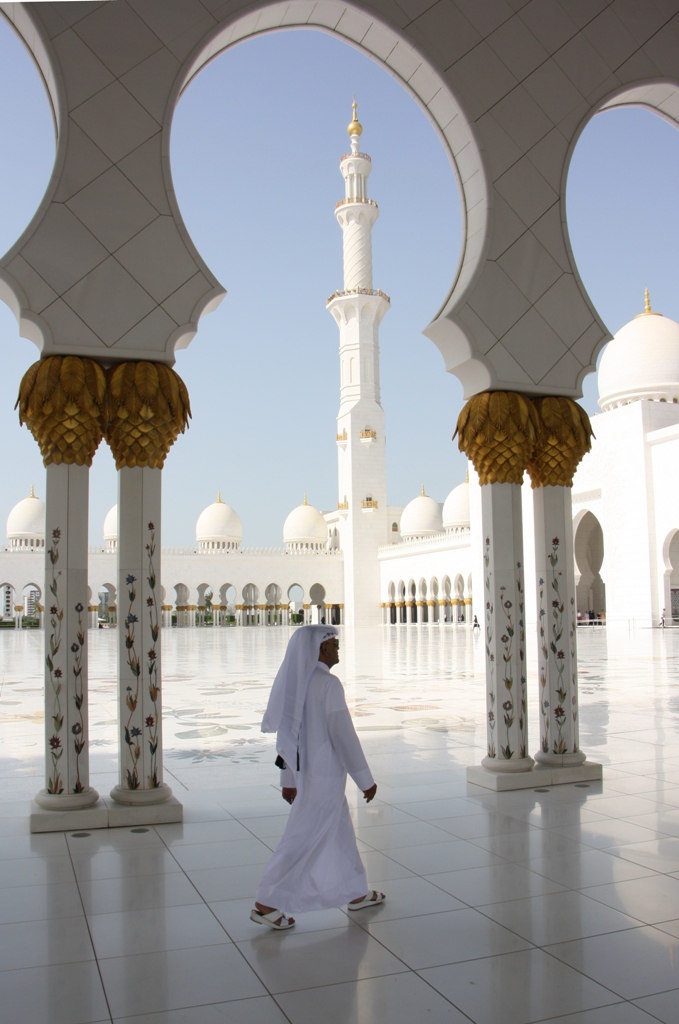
69, 404
439, 612
506, 434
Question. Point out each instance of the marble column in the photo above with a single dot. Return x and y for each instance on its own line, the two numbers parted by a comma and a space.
431, 612
409, 613
67, 783
557, 628
139, 646
442, 613
93, 616
454, 611
504, 629
564, 439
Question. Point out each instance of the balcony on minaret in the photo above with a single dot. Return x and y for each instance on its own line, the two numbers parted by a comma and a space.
368, 436
368, 504
342, 440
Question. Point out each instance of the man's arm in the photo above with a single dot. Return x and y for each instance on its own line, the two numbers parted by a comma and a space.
345, 740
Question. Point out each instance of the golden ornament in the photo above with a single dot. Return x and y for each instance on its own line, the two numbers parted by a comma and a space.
148, 407
565, 436
498, 430
61, 401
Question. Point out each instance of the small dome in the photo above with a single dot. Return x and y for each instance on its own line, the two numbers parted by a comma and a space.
421, 517
305, 528
456, 507
218, 527
641, 362
26, 523
111, 529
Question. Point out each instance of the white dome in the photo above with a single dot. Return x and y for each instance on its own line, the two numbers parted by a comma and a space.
218, 526
305, 527
641, 362
26, 523
456, 507
111, 524
421, 517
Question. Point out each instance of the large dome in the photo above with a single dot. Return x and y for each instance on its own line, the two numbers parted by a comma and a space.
456, 507
305, 528
641, 362
111, 529
421, 517
26, 523
218, 527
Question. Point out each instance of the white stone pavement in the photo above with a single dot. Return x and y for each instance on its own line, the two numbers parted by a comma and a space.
503, 908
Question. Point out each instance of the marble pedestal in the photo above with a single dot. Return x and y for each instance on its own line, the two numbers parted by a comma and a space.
105, 814
538, 776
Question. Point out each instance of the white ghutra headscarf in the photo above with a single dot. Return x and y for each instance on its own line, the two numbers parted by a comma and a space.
283, 714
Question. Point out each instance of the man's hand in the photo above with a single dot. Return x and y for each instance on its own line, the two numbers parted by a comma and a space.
368, 793
289, 794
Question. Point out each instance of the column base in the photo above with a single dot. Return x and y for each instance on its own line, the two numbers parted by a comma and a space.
105, 814
538, 776
141, 797
66, 801
560, 760
516, 764
54, 819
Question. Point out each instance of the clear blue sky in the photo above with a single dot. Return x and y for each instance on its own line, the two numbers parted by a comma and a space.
255, 148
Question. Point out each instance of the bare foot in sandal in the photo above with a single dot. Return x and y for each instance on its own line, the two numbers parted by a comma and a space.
279, 923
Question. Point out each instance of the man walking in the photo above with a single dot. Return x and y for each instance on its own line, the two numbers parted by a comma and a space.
317, 864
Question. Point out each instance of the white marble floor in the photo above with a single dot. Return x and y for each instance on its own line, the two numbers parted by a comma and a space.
556, 905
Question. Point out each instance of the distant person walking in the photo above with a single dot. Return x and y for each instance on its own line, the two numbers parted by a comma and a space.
476, 624
662, 619
316, 864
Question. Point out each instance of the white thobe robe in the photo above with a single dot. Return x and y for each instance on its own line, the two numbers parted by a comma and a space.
316, 864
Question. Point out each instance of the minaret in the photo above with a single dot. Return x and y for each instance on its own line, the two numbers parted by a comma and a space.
358, 310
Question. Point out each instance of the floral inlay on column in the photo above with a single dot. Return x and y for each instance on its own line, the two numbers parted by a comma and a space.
55, 672
132, 732
151, 721
78, 728
490, 656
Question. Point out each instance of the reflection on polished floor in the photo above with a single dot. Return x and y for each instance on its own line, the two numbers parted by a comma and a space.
503, 908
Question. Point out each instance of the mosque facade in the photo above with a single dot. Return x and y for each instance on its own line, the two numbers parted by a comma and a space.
366, 561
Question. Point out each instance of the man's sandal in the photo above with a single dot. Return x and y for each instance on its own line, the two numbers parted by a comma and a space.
271, 919
371, 900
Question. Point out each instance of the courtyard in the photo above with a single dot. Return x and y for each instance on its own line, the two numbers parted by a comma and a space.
556, 904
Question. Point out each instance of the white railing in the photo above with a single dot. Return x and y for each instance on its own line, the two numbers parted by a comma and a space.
443, 539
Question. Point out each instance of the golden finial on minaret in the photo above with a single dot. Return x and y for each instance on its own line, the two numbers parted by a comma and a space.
355, 127
423, 495
219, 498
305, 502
32, 494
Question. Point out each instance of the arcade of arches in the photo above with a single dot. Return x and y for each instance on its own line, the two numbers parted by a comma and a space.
517, 328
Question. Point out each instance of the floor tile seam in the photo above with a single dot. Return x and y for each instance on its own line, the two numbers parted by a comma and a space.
314, 988
89, 932
544, 945
307, 987
635, 1000
618, 997
658, 871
